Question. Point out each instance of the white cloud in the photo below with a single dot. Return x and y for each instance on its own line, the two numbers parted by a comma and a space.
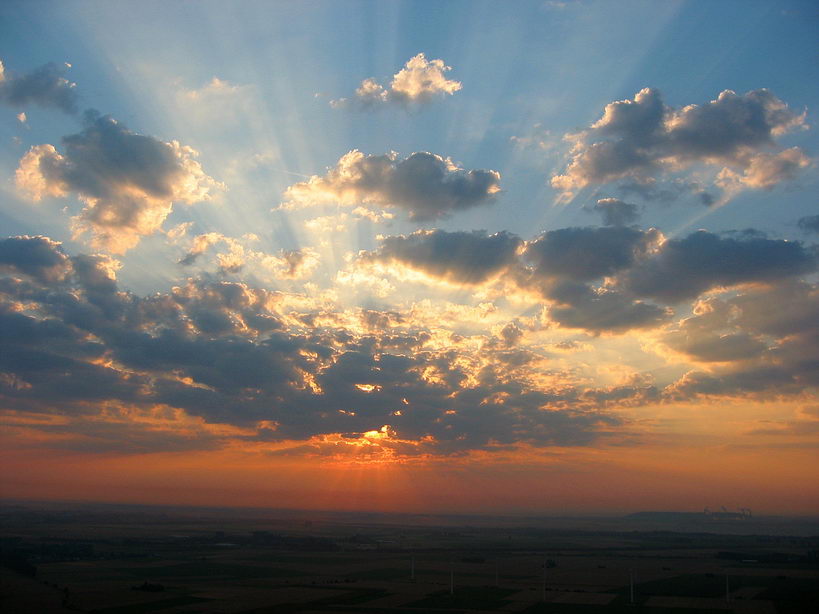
420, 81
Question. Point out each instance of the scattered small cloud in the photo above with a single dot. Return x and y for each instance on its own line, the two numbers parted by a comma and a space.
420, 81
615, 212
45, 87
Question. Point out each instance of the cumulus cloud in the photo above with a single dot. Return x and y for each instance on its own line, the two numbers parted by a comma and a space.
275, 367
127, 182
419, 82
425, 185
234, 355
684, 268
641, 138
45, 86
599, 279
601, 309
585, 254
615, 212
39, 257
764, 170
456, 257
560, 266
764, 341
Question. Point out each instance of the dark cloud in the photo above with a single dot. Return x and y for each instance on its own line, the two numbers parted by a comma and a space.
459, 257
684, 268
585, 254
637, 139
74, 344
219, 351
426, 186
45, 86
127, 181
601, 310
767, 339
615, 212
667, 191
38, 257
565, 261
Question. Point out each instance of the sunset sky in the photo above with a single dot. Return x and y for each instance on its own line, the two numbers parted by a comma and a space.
486, 257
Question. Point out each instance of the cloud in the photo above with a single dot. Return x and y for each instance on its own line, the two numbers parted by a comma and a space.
295, 263
38, 257
219, 105
598, 279
199, 245
586, 254
764, 170
127, 182
641, 138
286, 264
46, 87
667, 191
426, 186
226, 361
600, 310
456, 257
684, 268
565, 263
420, 81
809, 223
78, 345
553, 266
615, 212
764, 341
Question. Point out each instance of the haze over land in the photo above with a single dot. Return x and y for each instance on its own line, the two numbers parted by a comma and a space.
536, 259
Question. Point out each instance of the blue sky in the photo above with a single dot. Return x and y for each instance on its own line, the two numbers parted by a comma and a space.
539, 121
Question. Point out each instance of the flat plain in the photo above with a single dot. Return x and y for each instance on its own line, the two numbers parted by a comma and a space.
152, 560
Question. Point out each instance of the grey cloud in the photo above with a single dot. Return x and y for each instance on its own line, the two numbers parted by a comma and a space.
461, 257
767, 339
615, 212
425, 185
127, 181
667, 191
603, 310
809, 223
637, 139
585, 254
566, 258
82, 341
38, 257
684, 268
45, 86
223, 351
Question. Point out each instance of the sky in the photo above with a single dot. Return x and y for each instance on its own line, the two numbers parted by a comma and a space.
475, 257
